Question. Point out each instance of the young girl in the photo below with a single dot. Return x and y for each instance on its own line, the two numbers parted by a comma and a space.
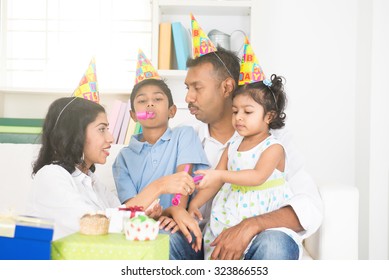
252, 167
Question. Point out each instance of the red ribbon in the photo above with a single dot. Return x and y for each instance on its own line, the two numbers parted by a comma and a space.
133, 209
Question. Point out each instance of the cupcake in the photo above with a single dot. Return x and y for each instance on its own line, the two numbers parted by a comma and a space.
141, 228
94, 224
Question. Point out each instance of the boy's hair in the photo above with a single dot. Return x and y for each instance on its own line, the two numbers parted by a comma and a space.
64, 132
229, 58
154, 82
273, 98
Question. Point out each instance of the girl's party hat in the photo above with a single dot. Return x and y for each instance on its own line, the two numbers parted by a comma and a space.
87, 87
250, 71
144, 69
201, 43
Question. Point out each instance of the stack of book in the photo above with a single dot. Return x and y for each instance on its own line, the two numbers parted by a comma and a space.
174, 46
121, 125
21, 130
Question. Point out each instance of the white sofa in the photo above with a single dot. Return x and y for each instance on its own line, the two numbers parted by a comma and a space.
336, 239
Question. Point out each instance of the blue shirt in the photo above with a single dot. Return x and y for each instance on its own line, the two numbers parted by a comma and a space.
141, 163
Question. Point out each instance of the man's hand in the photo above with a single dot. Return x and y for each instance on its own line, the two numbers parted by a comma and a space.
232, 242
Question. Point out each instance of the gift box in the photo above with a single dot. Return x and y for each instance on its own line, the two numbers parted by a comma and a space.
112, 246
25, 238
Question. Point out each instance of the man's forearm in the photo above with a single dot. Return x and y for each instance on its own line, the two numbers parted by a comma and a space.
283, 217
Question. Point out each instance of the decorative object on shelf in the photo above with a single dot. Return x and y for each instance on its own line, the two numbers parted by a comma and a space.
144, 69
87, 87
201, 44
222, 39
250, 70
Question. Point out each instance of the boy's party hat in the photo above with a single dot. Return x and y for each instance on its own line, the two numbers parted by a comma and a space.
201, 43
250, 71
87, 87
144, 69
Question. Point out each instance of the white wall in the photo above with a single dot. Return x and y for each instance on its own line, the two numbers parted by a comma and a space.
332, 55
379, 134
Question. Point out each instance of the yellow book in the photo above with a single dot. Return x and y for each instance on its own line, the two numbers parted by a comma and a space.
165, 46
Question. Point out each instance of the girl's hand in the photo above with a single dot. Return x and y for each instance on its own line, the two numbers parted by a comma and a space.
168, 224
211, 178
154, 212
195, 212
180, 182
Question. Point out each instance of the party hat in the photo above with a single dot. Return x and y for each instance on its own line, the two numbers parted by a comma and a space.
201, 43
144, 69
250, 71
87, 87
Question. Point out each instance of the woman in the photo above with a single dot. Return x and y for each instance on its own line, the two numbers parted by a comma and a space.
75, 137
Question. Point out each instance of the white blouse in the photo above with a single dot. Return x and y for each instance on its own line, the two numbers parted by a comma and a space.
65, 198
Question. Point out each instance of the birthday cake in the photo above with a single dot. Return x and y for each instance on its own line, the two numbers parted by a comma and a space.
94, 224
141, 228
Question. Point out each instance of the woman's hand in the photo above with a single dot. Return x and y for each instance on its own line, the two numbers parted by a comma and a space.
168, 224
180, 182
154, 212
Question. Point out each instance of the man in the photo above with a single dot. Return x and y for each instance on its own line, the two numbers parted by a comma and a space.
211, 80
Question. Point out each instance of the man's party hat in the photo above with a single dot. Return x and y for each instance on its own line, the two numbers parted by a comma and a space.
144, 69
201, 43
250, 71
87, 87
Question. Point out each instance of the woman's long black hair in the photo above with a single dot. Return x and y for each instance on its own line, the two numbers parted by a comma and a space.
64, 130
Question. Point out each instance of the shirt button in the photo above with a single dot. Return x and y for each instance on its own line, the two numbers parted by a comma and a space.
154, 161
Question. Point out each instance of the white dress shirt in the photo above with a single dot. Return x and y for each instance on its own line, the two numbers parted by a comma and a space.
65, 198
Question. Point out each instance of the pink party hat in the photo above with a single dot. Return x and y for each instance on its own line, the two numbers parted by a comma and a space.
250, 71
201, 43
87, 87
144, 69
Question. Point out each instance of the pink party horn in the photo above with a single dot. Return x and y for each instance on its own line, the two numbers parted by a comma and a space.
145, 115
177, 198
197, 178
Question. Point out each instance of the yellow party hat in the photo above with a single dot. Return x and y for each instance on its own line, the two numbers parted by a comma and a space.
250, 71
87, 87
201, 43
144, 69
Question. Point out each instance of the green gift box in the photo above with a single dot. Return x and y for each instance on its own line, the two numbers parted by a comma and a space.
112, 246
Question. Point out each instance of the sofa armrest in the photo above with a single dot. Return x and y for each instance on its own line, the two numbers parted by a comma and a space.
337, 237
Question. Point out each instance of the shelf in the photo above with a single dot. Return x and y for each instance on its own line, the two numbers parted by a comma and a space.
59, 92
236, 8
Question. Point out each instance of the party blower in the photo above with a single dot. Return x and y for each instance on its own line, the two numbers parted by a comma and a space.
145, 115
196, 179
